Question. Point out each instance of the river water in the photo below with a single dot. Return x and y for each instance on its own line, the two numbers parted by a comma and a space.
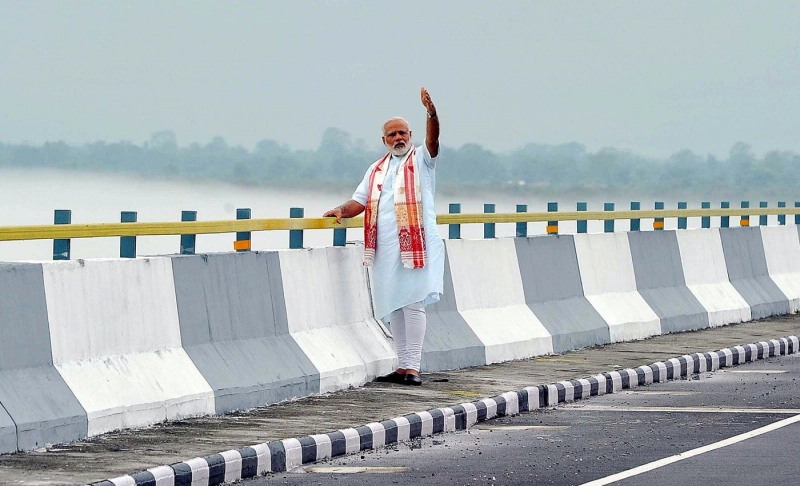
29, 197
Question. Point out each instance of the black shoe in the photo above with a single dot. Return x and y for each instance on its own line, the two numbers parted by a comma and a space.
413, 380
393, 377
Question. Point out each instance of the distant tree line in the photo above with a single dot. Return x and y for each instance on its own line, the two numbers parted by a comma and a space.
547, 169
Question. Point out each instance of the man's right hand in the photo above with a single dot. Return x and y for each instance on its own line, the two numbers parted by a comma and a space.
336, 213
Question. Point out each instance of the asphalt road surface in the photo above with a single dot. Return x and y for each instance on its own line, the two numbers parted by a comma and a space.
738, 425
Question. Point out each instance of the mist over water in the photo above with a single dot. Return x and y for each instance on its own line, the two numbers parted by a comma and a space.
29, 197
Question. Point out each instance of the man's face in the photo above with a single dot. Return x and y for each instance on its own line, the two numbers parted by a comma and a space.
397, 137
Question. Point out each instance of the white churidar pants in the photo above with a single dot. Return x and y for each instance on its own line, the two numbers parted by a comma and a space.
408, 330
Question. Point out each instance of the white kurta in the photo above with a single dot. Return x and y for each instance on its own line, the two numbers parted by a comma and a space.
393, 285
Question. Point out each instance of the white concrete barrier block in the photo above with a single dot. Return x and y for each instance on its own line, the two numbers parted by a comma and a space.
330, 317
782, 251
609, 283
490, 298
628, 316
137, 390
706, 275
485, 273
605, 263
508, 333
116, 342
110, 307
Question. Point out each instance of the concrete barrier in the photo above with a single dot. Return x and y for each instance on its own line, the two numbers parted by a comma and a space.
706, 275
37, 405
552, 285
659, 279
490, 298
92, 346
609, 284
233, 325
450, 343
116, 342
329, 315
782, 253
747, 270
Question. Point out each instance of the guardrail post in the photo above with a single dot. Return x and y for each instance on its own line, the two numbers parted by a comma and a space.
608, 224
745, 219
762, 219
581, 222
658, 223
522, 226
127, 244
242, 242
552, 226
682, 220
797, 216
636, 222
339, 236
782, 217
188, 241
724, 221
61, 247
705, 221
296, 236
455, 229
488, 228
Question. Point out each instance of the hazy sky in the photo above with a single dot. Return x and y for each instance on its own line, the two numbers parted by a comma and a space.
653, 77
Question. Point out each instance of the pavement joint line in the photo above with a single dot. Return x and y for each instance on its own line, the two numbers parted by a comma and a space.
356, 469
287, 454
766, 372
603, 408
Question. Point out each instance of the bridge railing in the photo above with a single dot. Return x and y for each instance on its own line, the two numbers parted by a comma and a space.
128, 229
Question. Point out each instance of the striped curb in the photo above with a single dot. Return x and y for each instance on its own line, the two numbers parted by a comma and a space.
287, 454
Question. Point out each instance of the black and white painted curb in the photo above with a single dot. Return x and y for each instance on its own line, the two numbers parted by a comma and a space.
287, 454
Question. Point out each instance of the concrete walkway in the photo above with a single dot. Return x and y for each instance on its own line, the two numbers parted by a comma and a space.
127, 452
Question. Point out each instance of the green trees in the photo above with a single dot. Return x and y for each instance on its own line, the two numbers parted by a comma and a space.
546, 169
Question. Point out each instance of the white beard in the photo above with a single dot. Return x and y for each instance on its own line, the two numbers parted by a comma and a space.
399, 152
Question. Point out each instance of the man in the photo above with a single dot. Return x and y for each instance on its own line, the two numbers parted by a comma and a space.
401, 241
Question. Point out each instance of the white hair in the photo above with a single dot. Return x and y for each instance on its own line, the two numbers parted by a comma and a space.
396, 118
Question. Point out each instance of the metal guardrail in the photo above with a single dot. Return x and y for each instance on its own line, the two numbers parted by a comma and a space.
62, 231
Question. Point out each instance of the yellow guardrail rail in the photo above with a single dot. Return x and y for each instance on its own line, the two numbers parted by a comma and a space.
94, 230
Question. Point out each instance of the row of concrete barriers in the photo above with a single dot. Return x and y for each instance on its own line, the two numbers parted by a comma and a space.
91, 346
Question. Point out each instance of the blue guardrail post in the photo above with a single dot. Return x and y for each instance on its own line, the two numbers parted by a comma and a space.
552, 226
127, 244
762, 219
61, 247
682, 220
488, 228
522, 226
581, 222
188, 241
705, 221
745, 220
454, 229
608, 224
339, 236
658, 223
636, 223
724, 221
296, 236
797, 216
242, 242
782, 217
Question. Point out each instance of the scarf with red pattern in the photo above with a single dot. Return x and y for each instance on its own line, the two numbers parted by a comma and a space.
407, 209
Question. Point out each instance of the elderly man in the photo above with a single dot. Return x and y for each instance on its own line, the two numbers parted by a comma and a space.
401, 241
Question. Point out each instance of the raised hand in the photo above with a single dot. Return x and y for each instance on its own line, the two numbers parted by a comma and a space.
426, 101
